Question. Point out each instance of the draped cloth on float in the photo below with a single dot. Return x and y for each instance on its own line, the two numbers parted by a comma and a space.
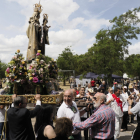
32, 34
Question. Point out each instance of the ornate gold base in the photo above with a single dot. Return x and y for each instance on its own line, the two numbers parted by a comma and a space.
45, 99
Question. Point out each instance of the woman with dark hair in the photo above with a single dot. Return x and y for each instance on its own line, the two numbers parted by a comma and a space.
43, 127
63, 128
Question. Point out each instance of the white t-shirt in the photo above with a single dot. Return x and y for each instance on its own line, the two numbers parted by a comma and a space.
65, 111
125, 103
114, 105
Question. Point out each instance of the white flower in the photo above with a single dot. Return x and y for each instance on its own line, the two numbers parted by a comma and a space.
18, 81
41, 61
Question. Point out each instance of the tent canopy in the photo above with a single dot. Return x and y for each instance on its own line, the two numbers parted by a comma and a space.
88, 75
91, 75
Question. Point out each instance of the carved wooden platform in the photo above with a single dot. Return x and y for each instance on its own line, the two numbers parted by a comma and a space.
45, 99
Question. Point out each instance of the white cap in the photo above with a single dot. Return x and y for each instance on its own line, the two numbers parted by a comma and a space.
125, 87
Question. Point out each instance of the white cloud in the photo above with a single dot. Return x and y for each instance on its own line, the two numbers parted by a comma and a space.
10, 45
58, 11
67, 33
87, 13
62, 39
91, 0
134, 49
95, 24
67, 37
59, 40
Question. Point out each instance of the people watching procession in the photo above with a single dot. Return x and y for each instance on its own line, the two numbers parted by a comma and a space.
105, 116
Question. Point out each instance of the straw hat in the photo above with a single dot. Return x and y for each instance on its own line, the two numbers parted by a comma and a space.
90, 90
130, 86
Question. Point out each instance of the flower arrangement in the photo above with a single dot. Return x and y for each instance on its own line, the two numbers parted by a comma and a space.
38, 72
17, 71
53, 69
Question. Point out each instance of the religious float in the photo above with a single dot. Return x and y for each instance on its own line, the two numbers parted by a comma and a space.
33, 75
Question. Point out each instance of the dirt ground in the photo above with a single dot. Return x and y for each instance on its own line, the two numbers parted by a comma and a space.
67, 86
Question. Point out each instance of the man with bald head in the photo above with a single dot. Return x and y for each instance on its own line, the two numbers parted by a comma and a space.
69, 109
101, 122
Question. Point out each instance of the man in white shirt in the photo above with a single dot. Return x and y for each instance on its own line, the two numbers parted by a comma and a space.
89, 86
69, 109
112, 102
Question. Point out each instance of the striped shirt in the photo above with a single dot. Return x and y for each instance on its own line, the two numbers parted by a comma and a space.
101, 122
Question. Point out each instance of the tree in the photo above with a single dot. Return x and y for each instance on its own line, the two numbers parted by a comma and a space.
66, 61
3, 67
132, 64
83, 64
111, 44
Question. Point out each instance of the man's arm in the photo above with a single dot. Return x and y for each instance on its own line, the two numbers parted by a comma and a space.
135, 109
35, 111
91, 121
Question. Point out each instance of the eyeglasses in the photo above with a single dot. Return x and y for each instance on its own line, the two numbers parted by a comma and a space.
95, 98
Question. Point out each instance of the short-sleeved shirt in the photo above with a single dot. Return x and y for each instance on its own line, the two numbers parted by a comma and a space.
66, 111
136, 109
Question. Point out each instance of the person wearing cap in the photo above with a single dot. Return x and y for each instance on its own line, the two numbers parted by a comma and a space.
125, 109
90, 93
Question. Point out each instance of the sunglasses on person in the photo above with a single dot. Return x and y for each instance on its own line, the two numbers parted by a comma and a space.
95, 98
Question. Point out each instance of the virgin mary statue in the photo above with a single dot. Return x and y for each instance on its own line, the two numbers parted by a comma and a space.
33, 32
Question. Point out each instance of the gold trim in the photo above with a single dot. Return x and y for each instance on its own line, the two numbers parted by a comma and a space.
45, 99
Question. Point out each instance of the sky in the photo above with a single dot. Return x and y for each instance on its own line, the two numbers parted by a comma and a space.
73, 23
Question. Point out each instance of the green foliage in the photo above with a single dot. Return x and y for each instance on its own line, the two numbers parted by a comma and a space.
66, 61
106, 55
111, 44
132, 64
3, 67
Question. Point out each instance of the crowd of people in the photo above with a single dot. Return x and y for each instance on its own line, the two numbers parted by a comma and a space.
106, 114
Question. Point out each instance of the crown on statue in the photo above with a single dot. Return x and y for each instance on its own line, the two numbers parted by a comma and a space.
38, 7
